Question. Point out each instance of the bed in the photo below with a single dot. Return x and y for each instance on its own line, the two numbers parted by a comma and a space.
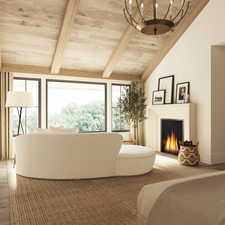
196, 200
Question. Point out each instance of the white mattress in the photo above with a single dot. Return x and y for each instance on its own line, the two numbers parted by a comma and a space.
150, 193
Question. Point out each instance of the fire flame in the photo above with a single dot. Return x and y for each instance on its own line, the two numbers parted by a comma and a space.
171, 143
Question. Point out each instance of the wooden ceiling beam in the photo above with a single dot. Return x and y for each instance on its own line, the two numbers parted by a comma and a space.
118, 51
170, 42
64, 34
120, 48
65, 72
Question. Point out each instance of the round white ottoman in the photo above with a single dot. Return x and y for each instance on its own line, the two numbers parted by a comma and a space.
134, 160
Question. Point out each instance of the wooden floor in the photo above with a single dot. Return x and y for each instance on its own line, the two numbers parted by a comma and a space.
4, 194
163, 163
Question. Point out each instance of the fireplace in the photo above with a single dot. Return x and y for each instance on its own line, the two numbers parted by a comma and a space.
171, 134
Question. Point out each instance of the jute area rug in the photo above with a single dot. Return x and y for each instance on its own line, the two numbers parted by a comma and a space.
108, 201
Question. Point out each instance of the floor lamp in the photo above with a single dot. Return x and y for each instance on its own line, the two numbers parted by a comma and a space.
19, 100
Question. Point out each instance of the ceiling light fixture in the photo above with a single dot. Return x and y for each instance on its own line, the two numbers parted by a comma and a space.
135, 16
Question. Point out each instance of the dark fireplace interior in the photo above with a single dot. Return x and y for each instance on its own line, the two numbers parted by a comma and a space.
171, 134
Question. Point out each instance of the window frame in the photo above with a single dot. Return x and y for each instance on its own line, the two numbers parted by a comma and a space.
39, 95
79, 82
116, 84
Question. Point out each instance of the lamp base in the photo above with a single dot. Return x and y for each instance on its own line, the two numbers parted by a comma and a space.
20, 125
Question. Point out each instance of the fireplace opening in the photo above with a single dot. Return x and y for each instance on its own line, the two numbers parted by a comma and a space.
171, 134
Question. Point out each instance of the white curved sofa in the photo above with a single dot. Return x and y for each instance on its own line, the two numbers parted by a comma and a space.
78, 156
134, 160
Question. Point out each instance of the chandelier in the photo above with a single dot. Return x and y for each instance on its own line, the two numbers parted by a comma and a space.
137, 18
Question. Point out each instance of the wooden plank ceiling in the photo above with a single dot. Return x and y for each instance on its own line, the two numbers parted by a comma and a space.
81, 38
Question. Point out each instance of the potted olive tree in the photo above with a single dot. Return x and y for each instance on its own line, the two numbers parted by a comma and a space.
132, 106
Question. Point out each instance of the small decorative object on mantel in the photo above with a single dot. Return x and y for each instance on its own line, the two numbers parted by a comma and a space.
188, 154
158, 97
183, 93
167, 83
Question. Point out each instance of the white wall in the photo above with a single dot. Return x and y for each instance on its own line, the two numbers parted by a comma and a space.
190, 60
218, 104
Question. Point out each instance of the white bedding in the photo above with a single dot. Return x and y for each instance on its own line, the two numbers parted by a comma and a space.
150, 193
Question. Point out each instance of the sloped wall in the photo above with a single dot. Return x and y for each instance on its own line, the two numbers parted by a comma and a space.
190, 60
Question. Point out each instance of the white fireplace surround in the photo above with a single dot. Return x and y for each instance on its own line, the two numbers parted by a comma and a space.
184, 112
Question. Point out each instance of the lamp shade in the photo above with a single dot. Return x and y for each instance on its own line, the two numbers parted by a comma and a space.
19, 99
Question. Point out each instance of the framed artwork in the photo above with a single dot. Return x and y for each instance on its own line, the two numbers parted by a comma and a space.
158, 97
182, 92
167, 84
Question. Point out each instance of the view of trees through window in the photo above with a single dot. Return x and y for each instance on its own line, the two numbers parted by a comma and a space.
118, 120
76, 105
30, 116
70, 104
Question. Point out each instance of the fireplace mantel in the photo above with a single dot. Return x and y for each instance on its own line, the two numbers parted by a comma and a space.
185, 112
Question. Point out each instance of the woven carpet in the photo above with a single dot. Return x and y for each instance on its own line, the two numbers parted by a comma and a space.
108, 201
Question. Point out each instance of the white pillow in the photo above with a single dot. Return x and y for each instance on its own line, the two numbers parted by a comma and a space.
62, 130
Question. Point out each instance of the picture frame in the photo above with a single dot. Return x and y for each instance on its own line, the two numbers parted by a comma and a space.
167, 83
158, 97
182, 92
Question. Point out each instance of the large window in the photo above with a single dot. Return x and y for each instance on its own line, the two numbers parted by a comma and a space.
79, 105
31, 117
118, 119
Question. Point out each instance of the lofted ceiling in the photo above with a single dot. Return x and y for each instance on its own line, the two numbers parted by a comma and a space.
82, 38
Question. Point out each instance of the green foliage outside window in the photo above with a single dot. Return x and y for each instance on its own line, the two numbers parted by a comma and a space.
87, 117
